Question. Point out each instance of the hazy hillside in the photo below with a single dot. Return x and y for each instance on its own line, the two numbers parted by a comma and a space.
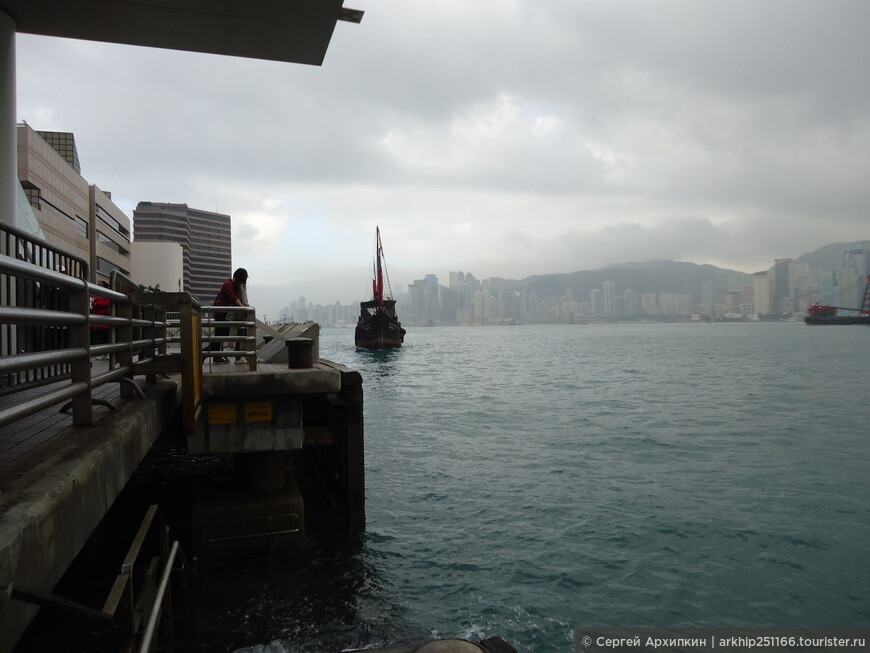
671, 276
830, 256
646, 277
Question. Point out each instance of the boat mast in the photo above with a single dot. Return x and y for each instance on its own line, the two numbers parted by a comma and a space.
378, 283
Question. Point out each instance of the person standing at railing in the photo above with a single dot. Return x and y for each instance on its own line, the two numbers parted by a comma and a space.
101, 333
241, 331
228, 295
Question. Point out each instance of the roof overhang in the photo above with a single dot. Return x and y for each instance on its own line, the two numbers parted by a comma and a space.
294, 31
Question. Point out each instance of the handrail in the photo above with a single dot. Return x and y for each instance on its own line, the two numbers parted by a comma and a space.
46, 327
159, 600
35, 273
43, 310
140, 601
39, 284
247, 343
27, 247
45, 323
138, 596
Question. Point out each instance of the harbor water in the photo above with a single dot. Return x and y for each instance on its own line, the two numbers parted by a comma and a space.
525, 481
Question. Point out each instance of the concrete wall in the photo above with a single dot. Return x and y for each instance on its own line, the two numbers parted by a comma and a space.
161, 263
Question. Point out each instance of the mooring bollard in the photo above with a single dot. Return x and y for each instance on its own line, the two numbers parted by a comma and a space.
300, 353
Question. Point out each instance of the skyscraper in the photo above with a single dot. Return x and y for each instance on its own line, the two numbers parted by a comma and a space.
596, 300
206, 238
609, 298
632, 303
762, 294
782, 288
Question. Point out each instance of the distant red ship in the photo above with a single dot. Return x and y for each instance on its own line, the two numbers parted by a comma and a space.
823, 314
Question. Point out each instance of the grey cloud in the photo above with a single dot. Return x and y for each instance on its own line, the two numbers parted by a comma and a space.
720, 131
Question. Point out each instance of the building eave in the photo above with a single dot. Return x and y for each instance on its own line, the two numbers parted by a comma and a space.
293, 31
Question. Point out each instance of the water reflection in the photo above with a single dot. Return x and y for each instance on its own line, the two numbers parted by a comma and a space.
330, 597
374, 365
377, 365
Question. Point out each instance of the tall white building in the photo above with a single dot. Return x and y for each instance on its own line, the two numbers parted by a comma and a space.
632, 305
596, 299
649, 304
762, 286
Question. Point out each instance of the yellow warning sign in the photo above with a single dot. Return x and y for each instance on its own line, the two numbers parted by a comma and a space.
222, 414
260, 411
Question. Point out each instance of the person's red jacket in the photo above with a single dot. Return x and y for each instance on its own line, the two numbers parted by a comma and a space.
100, 306
227, 296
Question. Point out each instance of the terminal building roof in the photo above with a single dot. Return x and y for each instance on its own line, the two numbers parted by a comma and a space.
294, 31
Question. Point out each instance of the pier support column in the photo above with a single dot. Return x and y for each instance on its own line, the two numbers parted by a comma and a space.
261, 514
263, 471
8, 133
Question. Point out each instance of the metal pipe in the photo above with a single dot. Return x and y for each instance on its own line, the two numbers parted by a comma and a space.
38, 359
112, 295
111, 375
147, 323
29, 245
148, 635
38, 597
110, 348
17, 315
30, 271
32, 406
108, 320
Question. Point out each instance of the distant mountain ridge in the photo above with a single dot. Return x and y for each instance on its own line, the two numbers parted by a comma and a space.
662, 276
830, 256
646, 277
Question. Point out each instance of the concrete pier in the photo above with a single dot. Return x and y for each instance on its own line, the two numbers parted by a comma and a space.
279, 409
52, 499
53, 496
60, 471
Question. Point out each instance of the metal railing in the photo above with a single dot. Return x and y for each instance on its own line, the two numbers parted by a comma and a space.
154, 576
45, 323
141, 598
224, 326
35, 334
46, 327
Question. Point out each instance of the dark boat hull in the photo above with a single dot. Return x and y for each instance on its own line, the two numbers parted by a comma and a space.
379, 331
837, 319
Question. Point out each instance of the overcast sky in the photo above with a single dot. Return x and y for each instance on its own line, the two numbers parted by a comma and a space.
498, 137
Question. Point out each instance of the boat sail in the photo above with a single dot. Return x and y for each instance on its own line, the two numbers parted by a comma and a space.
378, 327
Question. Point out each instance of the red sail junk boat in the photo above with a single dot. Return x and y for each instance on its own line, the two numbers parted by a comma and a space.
378, 327
822, 314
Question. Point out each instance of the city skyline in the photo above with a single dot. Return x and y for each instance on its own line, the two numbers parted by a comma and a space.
786, 287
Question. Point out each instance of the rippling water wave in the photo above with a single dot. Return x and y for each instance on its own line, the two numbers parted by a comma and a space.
525, 481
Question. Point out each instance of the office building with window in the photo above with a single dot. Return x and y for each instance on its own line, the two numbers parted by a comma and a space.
74, 215
205, 237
